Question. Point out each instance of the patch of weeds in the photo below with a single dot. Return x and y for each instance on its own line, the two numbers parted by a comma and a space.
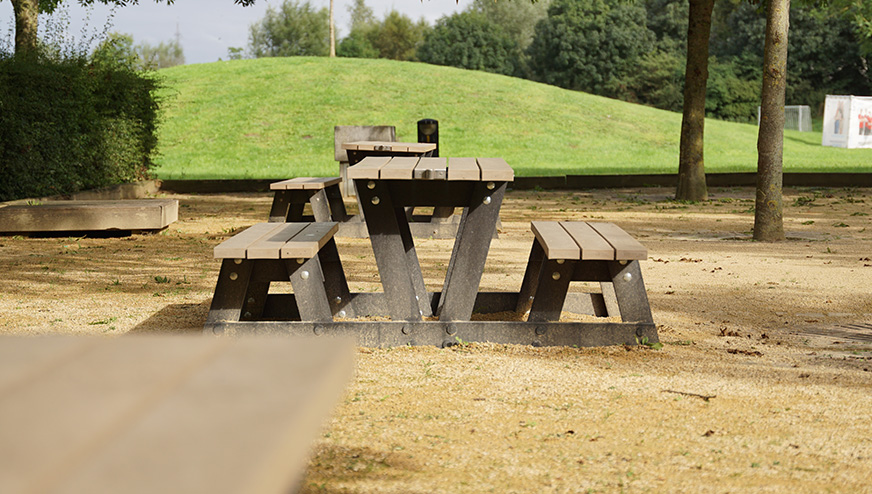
161, 279
803, 201
644, 342
809, 222
859, 213
840, 225
103, 321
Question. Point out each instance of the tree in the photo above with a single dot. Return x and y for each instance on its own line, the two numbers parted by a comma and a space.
357, 43
518, 19
27, 12
691, 164
295, 29
397, 37
165, 54
469, 41
590, 45
768, 212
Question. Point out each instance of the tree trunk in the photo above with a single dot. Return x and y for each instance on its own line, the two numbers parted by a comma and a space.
26, 21
691, 166
768, 220
332, 33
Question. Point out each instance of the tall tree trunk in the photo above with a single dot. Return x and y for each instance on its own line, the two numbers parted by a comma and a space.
691, 166
768, 220
26, 21
332, 33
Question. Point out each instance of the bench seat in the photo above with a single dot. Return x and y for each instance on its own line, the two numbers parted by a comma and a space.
322, 193
303, 254
566, 251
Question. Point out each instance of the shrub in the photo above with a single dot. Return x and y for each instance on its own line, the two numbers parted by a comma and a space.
70, 123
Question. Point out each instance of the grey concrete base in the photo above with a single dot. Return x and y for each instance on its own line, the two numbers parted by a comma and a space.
86, 216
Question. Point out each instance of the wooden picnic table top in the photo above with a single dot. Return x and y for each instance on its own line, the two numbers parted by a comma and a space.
413, 168
408, 147
145, 414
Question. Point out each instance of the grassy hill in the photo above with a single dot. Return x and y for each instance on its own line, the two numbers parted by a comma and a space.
274, 117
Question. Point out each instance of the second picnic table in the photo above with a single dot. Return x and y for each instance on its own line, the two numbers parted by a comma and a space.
388, 185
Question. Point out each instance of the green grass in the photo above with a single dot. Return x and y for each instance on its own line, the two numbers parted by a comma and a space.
274, 118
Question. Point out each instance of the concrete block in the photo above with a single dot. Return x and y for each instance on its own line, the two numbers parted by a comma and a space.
60, 216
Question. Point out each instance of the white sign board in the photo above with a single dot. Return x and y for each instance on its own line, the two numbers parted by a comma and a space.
848, 122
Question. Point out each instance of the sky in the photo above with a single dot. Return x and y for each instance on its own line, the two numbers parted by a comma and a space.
208, 27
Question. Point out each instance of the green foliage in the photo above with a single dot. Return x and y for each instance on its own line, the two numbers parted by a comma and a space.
658, 81
356, 45
470, 41
165, 54
590, 45
730, 96
294, 29
397, 37
71, 124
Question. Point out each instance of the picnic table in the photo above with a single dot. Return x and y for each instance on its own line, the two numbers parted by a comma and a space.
405, 312
358, 150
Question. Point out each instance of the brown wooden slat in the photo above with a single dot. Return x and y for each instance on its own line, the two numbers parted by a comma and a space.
463, 169
290, 184
368, 168
317, 183
399, 147
626, 247
555, 241
309, 241
593, 245
496, 169
400, 168
270, 246
431, 169
236, 246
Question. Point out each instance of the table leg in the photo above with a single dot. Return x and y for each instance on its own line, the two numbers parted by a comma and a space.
230, 291
531, 278
473, 240
630, 292
308, 282
554, 278
280, 205
334, 281
389, 245
320, 206
337, 205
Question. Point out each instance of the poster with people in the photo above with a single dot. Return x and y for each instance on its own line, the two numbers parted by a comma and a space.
848, 122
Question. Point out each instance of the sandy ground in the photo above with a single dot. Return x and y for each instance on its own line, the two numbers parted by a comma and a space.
763, 383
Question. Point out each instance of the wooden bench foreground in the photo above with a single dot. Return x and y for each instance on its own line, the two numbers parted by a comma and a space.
88, 216
164, 414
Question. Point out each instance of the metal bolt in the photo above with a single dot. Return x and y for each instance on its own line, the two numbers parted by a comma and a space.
628, 276
560, 261
300, 260
487, 200
406, 330
420, 312
555, 276
639, 332
337, 300
376, 200
622, 263
537, 343
540, 330
370, 185
451, 329
251, 300
304, 275
247, 315
341, 313
491, 186
233, 276
238, 261
317, 329
217, 330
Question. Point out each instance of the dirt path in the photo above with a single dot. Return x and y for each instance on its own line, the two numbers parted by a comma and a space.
763, 383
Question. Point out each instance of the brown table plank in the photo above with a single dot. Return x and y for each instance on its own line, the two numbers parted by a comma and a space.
169, 414
270, 246
305, 183
555, 241
308, 242
431, 169
593, 245
368, 168
399, 168
236, 246
626, 247
496, 169
406, 147
463, 169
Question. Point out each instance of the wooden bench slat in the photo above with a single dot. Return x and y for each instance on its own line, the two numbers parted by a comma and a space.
305, 183
431, 169
390, 146
593, 246
236, 247
270, 246
368, 168
496, 169
626, 247
463, 169
400, 168
309, 241
555, 241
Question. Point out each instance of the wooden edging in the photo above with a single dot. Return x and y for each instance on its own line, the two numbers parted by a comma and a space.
568, 182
